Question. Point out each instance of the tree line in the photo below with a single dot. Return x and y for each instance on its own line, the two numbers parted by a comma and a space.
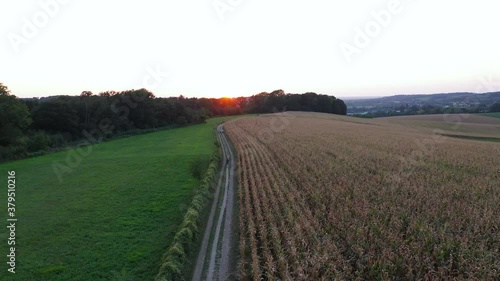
32, 126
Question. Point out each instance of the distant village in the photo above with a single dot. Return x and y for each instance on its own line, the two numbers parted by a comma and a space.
424, 104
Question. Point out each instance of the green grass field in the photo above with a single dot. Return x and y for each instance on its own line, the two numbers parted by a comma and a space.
473, 138
494, 114
113, 216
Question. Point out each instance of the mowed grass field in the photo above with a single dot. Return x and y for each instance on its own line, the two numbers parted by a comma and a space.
494, 114
113, 216
326, 197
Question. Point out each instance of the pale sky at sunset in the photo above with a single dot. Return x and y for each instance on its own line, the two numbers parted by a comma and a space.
341, 48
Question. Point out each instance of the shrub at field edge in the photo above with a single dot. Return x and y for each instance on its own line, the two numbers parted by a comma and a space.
174, 260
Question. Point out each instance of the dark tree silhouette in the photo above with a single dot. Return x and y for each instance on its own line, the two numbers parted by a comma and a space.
495, 107
59, 119
14, 117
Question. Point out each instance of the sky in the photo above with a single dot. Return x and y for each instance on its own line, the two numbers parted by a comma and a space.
231, 48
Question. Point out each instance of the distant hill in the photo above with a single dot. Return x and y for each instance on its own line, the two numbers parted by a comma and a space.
401, 103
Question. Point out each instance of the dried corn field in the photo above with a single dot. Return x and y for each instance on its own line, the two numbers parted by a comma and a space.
325, 199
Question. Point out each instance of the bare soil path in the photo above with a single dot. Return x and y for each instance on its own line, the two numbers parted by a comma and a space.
215, 257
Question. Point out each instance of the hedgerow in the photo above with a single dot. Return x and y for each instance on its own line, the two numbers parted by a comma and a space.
174, 260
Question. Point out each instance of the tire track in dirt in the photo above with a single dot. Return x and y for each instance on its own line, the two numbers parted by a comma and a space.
218, 267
